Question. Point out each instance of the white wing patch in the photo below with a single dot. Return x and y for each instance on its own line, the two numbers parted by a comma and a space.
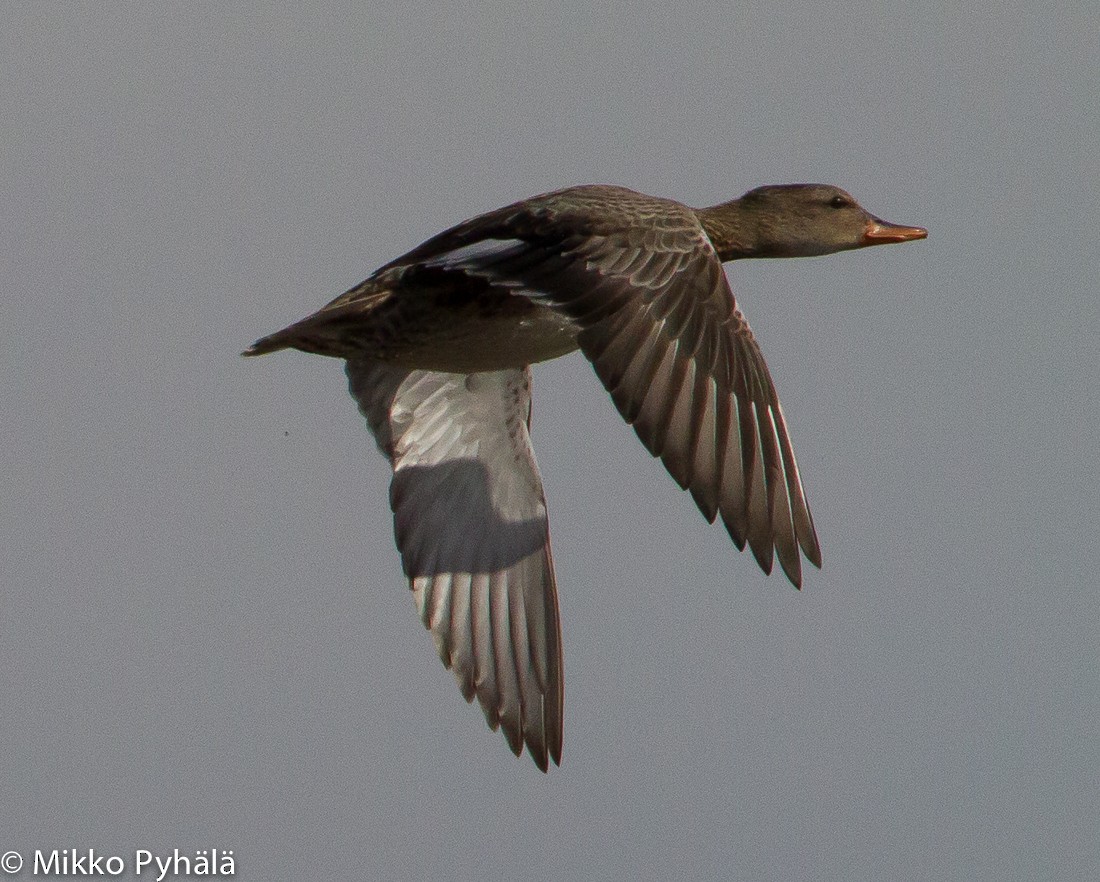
478, 256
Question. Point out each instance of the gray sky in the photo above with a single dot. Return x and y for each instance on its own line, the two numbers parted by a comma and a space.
204, 633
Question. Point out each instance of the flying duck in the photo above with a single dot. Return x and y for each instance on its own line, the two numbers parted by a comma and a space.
439, 343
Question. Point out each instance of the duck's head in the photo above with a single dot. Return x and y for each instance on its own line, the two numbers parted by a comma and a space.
798, 220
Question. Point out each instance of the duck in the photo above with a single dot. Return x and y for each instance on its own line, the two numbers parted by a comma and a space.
439, 344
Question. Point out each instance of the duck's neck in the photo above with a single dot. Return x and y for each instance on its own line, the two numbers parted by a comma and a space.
734, 232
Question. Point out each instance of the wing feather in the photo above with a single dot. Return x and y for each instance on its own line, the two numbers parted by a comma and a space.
660, 325
470, 521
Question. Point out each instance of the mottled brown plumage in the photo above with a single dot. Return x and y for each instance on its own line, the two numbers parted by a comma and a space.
438, 344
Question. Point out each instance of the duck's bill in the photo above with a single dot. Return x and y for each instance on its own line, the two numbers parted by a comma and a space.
879, 232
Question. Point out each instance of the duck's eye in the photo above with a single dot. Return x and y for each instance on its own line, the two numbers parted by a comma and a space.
839, 202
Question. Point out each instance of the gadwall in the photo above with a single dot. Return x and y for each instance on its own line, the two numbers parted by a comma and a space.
438, 346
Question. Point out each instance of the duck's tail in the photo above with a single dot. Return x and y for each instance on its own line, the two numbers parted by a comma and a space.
270, 343
334, 329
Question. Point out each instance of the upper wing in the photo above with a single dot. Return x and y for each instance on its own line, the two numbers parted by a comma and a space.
661, 327
470, 520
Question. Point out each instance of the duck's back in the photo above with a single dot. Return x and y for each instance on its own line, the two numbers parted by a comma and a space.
588, 210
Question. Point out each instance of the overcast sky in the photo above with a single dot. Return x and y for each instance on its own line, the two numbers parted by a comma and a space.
205, 637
